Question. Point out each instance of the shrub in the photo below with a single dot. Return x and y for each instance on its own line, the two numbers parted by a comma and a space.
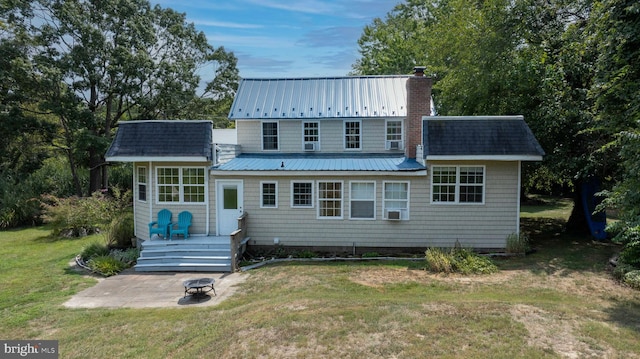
517, 243
468, 262
630, 254
458, 260
127, 256
77, 217
305, 253
106, 265
94, 250
632, 279
438, 261
120, 231
370, 255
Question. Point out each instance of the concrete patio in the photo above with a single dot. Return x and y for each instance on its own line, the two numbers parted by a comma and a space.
131, 289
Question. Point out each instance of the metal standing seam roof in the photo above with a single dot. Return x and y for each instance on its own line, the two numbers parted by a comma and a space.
320, 162
328, 97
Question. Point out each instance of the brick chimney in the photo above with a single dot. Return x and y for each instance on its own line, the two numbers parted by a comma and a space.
418, 105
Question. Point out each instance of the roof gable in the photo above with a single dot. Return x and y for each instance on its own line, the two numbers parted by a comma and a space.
162, 140
330, 97
499, 137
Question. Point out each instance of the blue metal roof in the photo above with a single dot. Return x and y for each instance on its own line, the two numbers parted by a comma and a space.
320, 162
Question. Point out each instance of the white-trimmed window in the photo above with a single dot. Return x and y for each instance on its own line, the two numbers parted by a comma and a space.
268, 195
180, 185
395, 199
311, 136
270, 136
352, 135
141, 180
330, 200
362, 200
302, 194
394, 135
457, 184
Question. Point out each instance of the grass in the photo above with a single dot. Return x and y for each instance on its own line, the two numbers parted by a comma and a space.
558, 302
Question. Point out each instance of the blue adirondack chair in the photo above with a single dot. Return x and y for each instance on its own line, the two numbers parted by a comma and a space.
161, 225
184, 222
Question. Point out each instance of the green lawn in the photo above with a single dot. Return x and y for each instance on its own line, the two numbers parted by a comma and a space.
559, 301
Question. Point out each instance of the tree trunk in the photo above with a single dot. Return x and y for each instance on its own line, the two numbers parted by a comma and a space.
74, 173
95, 171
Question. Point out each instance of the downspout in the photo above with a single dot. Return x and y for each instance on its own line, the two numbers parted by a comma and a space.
518, 196
150, 190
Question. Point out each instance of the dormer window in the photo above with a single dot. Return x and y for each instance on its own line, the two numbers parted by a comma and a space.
270, 136
352, 135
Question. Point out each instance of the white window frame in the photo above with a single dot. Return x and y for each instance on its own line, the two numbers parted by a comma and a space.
317, 135
181, 185
293, 205
262, 205
351, 200
457, 184
404, 212
345, 135
387, 135
321, 200
142, 170
262, 135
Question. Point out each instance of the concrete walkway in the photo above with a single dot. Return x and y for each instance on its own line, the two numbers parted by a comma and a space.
131, 289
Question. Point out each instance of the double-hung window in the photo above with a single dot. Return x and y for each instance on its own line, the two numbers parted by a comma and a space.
269, 195
302, 194
270, 136
352, 135
330, 200
180, 185
394, 135
457, 184
363, 200
311, 135
396, 200
141, 179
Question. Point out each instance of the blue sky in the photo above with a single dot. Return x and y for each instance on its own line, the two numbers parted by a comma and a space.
285, 38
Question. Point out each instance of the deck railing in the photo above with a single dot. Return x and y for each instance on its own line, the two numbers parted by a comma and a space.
238, 241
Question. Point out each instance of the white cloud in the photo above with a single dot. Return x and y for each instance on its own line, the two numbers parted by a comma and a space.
228, 25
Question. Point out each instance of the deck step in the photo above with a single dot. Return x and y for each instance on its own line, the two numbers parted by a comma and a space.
183, 267
203, 254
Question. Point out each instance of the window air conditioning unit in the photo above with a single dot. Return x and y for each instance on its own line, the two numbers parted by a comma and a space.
394, 215
394, 145
310, 146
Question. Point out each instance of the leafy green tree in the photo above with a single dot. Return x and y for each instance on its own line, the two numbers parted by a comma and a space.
616, 93
497, 57
99, 62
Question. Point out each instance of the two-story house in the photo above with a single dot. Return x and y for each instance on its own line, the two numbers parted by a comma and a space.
342, 163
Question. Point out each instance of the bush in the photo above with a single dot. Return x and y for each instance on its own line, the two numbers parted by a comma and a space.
127, 256
438, 261
77, 217
468, 262
94, 250
632, 279
106, 265
458, 260
517, 243
120, 231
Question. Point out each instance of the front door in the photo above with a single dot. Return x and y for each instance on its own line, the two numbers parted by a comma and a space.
228, 205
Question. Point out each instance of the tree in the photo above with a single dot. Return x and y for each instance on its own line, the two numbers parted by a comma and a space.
99, 62
616, 93
499, 57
